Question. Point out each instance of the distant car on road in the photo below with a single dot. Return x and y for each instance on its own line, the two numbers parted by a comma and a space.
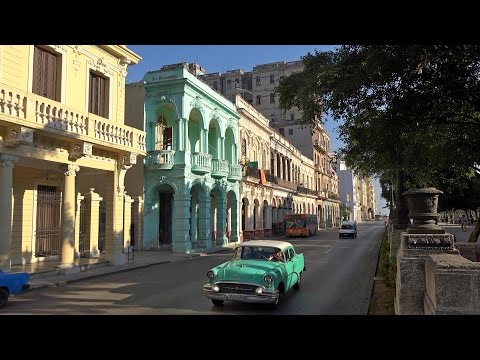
259, 272
347, 229
12, 283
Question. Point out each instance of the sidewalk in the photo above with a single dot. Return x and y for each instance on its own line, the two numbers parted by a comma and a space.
45, 274
456, 230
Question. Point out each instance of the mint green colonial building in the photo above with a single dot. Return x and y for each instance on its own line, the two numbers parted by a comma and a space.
191, 171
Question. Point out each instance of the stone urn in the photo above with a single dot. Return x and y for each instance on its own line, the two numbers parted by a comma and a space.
422, 206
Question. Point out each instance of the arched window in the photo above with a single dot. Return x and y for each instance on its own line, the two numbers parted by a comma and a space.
163, 134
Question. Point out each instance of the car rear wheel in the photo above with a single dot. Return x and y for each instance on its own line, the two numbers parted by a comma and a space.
217, 302
299, 282
3, 297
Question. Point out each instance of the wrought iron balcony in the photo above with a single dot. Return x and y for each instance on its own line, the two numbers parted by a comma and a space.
219, 168
234, 172
201, 163
160, 159
37, 112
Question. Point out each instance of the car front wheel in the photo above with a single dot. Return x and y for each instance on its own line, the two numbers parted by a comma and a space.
3, 297
217, 302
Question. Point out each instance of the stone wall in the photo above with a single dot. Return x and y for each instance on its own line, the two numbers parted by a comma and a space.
470, 251
452, 285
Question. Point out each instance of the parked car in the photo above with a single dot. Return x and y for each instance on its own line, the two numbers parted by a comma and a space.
259, 272
12, 283
348, 229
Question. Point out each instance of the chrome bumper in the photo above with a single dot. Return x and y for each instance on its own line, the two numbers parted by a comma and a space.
267, 297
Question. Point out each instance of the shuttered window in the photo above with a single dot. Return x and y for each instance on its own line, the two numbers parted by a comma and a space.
98, 101
46, 73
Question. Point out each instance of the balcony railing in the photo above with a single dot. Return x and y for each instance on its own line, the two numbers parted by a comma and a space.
234, 172
306, 191
319, 145
219, 168
333, 196
252, 172
161, 159
201, 163
37, 112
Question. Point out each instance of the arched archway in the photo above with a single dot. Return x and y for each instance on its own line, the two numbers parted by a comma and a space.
230, 147
256, 217
214, 142
246, 228
199, 215
196, 132
165, 218
266, 218
232, 217
218, 213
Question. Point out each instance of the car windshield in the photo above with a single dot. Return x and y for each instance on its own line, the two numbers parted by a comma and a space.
264, 253
295, 223
348, 227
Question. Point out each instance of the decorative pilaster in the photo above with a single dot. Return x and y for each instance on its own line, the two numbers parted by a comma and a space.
78, 251
6, 186
67, 232
92, 217
127, 221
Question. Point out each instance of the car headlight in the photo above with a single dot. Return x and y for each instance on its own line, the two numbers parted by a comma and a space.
268, 278
216, 288
210, 274
259, 290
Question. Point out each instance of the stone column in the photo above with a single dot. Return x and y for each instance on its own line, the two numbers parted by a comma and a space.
77, 226
181, 212
137, 215
213, 219
204, 232
235, 210
6, 186
92, 200
193, 222
221, 220
67, 231
185, 134
127, 221
221, 153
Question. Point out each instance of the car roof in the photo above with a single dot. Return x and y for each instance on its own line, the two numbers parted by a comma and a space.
270, 243
348, 223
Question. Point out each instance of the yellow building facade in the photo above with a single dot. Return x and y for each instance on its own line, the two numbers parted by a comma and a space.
65, 147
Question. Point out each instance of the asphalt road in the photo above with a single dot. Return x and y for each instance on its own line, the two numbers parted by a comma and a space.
338, 280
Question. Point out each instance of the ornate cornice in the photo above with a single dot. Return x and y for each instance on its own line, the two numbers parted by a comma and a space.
79, 150
18, 135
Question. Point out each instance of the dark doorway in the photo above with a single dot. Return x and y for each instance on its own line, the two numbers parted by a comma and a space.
165, 218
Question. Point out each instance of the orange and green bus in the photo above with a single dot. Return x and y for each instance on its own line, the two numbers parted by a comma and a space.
300, 225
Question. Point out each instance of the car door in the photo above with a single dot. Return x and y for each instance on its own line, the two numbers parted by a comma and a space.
289, 264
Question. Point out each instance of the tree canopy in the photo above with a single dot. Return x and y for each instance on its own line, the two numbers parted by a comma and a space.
413, 108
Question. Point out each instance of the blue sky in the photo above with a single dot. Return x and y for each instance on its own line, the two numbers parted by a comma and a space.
220, 58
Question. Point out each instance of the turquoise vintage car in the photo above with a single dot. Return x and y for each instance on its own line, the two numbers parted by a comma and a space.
259, 272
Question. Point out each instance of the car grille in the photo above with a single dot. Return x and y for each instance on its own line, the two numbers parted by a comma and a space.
237, 288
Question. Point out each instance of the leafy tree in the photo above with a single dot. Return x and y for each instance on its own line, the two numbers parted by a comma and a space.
407, 112
344, 214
